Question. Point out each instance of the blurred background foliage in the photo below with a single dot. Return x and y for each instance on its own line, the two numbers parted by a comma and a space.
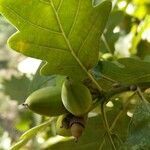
127, 35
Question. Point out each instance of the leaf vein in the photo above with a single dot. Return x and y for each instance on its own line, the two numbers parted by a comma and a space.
61, 27
43, 46
91, 29
31, 23
75, 18
60, 4
71, 49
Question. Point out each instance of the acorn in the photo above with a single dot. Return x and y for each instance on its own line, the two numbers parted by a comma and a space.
46, 101
70, 125
76, 97
77, 130
77, 126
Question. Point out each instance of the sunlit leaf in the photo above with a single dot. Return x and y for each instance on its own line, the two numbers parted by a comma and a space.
138, 35
63, 33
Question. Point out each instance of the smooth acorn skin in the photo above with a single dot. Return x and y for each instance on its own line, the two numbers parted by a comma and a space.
76, 97
77, 130
46, 101
62, 129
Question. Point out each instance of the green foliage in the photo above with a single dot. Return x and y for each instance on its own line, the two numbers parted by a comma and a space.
63, 42
138, 34
139, 133
30, 134
143, 50
125, 70
91, 138
110, 37
17, 87
40, 81
77, 39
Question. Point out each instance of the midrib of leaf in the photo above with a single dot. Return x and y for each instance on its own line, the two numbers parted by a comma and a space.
71, 49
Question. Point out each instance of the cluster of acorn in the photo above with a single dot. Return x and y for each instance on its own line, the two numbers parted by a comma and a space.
71, 102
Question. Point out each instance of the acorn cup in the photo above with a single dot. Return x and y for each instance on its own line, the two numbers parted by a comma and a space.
77, 126
70, 125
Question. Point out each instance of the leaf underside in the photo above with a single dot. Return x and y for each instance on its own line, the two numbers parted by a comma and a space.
126, 70
64, 33
139, 133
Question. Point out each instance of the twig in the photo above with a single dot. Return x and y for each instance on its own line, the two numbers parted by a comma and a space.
122, 111
117, 117
140, 94
104, 117
106, 44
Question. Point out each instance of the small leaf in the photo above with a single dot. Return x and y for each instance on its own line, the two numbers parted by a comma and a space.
139, 133
30, 134
121, 126
125, 70
115, 18
19, 144
40, 81
17, 87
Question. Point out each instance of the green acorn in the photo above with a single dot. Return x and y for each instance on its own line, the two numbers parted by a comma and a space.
46, 101
76, 97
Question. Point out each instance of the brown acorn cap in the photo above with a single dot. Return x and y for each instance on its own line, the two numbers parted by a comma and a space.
78, 120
